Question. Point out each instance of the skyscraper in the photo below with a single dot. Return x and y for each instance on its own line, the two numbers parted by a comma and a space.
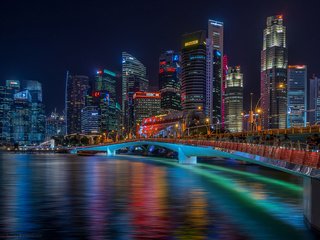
146, 104
234, 99
314, 100
55, 125
193, 71
214, 78
6, 107
21, 117
297, 96
169, 81
90, 120
274, 61
37, 118
133, 80
104, 97
76, 90
223, 89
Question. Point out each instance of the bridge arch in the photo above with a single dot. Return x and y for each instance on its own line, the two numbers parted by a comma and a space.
187, 154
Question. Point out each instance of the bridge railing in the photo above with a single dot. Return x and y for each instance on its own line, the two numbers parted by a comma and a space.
290, 151
289, 154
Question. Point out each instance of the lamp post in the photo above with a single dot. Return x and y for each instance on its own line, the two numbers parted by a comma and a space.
251, 113
207, 125
176, 129
259, 112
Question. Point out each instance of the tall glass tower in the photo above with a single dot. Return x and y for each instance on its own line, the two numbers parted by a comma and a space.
274, 61
314, 100
297, 96
234, 99
133, 80
104, 96
193, 74
76, 89
169, 80
214, 84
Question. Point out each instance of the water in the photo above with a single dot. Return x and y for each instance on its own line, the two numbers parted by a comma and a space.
130, 197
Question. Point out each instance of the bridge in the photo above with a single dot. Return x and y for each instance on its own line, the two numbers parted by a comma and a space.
303, 163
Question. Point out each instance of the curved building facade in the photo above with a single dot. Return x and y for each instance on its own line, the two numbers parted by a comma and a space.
193, 74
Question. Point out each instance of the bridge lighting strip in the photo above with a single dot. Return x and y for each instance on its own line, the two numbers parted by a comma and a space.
289, 186
266, 209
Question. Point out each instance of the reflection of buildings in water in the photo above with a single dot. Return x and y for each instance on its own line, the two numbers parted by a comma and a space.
148, 201
96, 188
198, 209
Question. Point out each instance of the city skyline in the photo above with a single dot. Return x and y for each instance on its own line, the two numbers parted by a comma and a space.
79, 46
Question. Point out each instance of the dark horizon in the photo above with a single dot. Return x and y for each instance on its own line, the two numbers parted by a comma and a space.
42, 40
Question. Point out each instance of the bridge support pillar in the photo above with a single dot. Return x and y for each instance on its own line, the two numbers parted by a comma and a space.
186, 159
111, 152
311, 199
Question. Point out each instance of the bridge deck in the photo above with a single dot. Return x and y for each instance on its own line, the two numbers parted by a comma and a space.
298, 162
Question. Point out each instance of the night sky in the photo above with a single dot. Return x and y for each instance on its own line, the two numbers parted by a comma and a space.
41, 40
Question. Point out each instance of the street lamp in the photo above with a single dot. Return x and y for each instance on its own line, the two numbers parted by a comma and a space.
259, 112
251, 113
207, 125
176, 129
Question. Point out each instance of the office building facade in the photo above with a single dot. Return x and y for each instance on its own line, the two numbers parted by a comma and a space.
169, 81
234, 99
297, 96
193, 71
146, 104
214, 76
77, 87
105, 97
274, 61
6, 107
90, 120
314, 101
55, 125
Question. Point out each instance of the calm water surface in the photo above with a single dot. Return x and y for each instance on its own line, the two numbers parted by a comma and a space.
130, 197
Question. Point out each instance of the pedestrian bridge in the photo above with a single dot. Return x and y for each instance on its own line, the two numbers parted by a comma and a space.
293, 161
187, 154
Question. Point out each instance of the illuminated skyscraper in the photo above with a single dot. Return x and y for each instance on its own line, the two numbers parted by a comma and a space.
6, 107
76, 89
169, 80
104, 97
55, 125
133, 80
21, 117
193, 71
146, 104
234, 100
90, 120
223, 89
314, 100
274, 61
38, 118
297, 96
214, 83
